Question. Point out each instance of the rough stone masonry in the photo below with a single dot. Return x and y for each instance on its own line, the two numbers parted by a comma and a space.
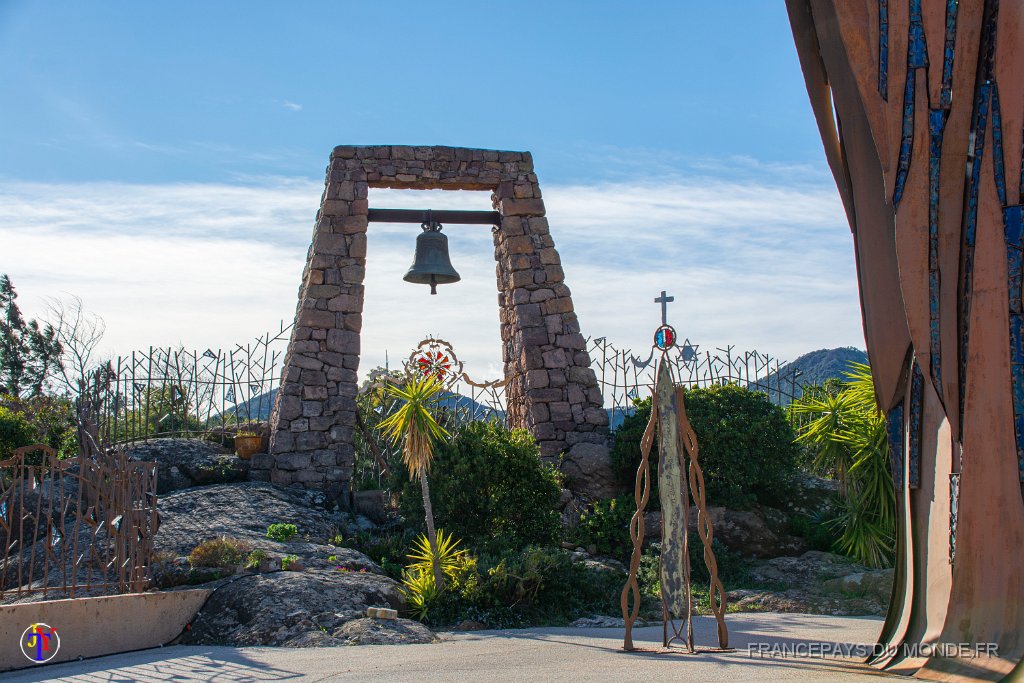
552, 390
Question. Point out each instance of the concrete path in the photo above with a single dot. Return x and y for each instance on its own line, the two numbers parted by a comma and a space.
768, 647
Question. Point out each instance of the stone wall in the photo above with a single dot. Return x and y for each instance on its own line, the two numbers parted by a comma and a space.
552, 389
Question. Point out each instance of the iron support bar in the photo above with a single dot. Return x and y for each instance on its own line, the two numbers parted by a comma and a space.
445, 217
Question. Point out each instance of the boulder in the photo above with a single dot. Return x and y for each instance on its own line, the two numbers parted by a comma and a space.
470, 625
812, 567
371, 504
747, 532
385, 632
588, 470
875, 584
813, 496
814, 583
183, 463
296, 609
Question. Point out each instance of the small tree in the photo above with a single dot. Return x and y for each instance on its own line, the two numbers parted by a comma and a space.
414, 425
28, 352
79, 334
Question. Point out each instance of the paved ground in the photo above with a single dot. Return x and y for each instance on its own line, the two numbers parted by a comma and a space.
535, 655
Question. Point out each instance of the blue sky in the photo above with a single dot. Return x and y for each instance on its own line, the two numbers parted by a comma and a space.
164, 161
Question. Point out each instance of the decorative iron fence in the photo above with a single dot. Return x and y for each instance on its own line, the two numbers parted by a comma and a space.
174, 392
78, 526
624, 376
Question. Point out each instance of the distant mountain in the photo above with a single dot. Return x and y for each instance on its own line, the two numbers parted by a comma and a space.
259, 407
256, 408
812, 368
817, 366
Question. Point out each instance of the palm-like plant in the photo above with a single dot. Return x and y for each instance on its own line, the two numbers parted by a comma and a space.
414, 424
848, 435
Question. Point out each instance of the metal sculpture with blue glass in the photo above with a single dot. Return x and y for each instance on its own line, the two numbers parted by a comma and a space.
680, 478
920, 104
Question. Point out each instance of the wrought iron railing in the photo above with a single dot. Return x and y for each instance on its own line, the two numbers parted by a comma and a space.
624, 376
164, 391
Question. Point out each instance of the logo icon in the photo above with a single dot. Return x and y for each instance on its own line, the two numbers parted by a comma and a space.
40, 643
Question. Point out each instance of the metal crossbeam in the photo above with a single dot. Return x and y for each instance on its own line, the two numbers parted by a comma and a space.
445, 216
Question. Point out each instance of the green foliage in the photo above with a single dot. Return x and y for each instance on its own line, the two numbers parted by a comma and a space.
375, 455
15, 432
29, 353
491, 489
606, 526
163, 409
388, 549
626, 449
282, 532
449, 555
255, 558
532, 586
421, 593
41, 419
220, 553
287, 561
819, 532
413, 422
847, 437
747, 448
418, 585
733, 572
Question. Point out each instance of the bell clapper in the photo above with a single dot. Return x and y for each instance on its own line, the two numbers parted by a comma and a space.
433, 284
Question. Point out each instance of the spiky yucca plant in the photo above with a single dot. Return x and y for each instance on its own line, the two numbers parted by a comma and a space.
415, 426
847, 434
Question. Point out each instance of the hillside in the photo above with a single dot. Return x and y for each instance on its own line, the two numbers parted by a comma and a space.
812, 368
817, 366
259, 407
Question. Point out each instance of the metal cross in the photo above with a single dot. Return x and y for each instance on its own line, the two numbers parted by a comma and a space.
664, 301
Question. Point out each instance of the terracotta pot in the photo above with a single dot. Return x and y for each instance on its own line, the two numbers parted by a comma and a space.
245, 446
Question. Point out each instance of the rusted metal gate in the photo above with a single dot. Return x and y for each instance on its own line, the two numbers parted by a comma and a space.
82, 525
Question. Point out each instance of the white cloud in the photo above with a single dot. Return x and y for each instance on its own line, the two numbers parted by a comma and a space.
291, 105
756, 264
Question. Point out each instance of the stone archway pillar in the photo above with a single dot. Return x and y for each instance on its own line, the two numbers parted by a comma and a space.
552, 390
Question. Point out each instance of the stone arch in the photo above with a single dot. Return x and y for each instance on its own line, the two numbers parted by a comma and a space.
552, 390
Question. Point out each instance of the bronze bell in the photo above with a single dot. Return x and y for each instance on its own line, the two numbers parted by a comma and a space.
431, 265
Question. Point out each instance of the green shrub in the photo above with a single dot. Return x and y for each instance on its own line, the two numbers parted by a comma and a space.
282, 532
287, 561
15, 432
820, 532
733, 572
534, 586
490, 488
606, 526
388, 549
254, 559
220, 553
418, 586
44, 419
625, 453
747, 449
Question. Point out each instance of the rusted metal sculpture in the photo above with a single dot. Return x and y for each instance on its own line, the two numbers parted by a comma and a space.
921, 111
79, 526
679, 478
